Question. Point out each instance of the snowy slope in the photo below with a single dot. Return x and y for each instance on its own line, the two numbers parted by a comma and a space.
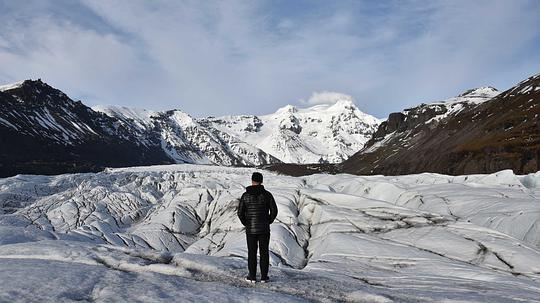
439, 110
140, 118
186, 139
318, 134
170, 232
456, 104
9, 86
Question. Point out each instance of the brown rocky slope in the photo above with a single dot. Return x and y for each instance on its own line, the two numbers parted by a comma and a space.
501, 133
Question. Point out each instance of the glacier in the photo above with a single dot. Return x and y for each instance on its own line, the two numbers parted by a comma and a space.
162, 233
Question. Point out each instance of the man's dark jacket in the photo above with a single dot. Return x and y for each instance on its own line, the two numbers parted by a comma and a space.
257, 209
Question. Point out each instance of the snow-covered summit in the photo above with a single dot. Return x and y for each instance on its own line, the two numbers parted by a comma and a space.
480, 92
475, 95
322, 133
185, 139
342, 105
329, 132
183, 119
287, 109
438, 110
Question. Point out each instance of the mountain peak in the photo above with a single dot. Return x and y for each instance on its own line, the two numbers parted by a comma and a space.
475, 95
287, 109
480, 92
343, 104
29, 84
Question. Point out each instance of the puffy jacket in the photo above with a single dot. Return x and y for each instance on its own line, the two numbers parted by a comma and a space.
257, 210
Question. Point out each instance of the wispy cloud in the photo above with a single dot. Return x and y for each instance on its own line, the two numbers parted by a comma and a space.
213, 58
326, 97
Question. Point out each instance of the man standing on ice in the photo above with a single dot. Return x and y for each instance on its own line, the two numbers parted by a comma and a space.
257, 210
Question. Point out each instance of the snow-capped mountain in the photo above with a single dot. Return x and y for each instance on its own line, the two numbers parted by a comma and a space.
171, 233
479, 131
47, 132
185, 139
50, 133
318, 134
403, 125
43, 131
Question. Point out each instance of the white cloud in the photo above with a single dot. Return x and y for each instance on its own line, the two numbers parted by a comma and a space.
214, 58
326, 97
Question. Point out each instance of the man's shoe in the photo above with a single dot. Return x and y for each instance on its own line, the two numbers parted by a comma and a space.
265, 280
250, 279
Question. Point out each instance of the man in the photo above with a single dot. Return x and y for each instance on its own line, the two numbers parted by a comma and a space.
257, 210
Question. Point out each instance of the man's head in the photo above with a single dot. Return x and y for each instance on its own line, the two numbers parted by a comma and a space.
256, 178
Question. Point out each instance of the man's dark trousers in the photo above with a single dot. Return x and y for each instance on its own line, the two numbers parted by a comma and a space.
260, 240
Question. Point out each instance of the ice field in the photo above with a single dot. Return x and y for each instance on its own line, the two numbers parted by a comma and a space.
170, 233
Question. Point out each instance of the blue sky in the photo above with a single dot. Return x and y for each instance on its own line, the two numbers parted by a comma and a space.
252, 57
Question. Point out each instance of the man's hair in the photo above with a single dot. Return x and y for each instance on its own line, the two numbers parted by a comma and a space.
257, 177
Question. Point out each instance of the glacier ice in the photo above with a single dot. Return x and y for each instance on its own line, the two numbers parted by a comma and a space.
162, 232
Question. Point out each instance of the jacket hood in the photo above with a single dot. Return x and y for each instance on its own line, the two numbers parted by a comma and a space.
255, 189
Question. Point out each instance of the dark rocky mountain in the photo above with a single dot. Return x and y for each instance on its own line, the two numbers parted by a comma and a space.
43, 131
458, 136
